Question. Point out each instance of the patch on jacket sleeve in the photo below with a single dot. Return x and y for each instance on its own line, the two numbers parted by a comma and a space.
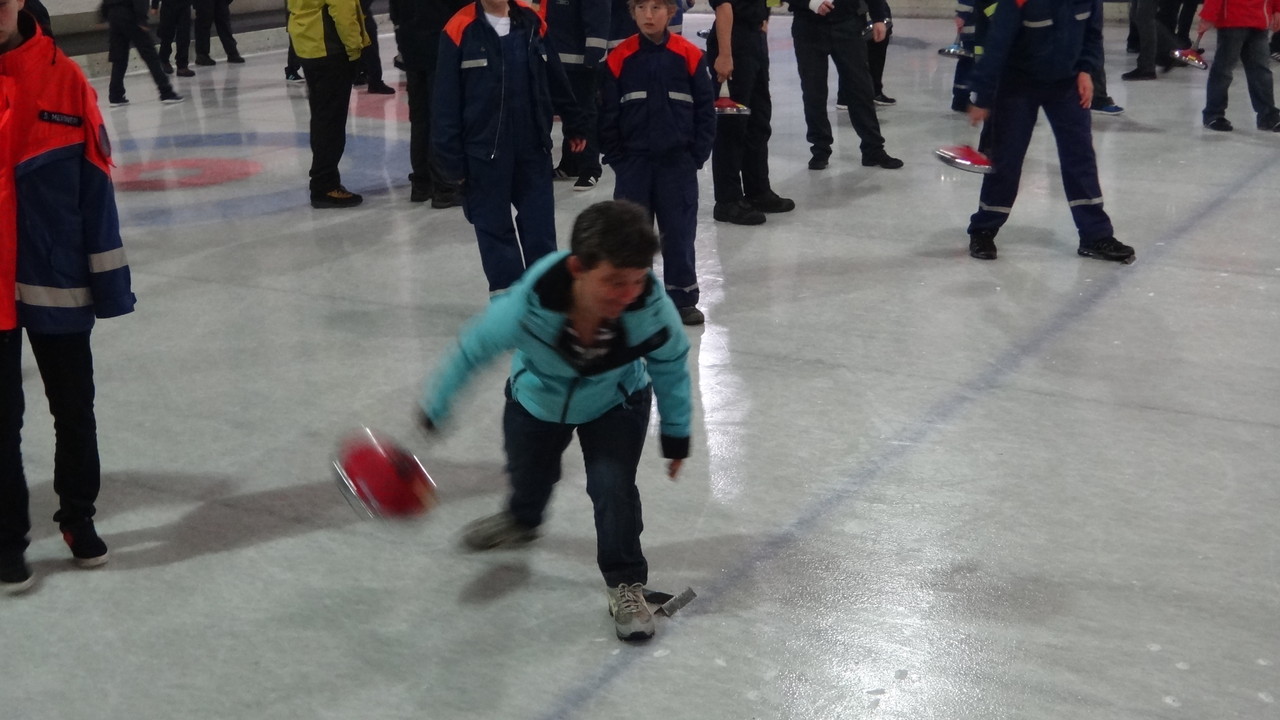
61, 118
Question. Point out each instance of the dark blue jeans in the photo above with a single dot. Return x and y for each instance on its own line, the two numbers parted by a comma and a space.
1248, 46
1013, 117
66, 366
611, 446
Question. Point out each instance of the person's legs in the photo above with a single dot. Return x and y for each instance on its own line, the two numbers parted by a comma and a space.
167, 28
417, 85
222, 22
584, 81
142, 41
66, 367
1257, 74
118, 20
535, 202
812, 43
850, 52
1230, 43
15, 519
329, 95
182, 56
487, 206
611, 450
726, 157
371, 57
203, 30
533, 450
1074, 137
755, 149
675, 194
1009, 128
877, 52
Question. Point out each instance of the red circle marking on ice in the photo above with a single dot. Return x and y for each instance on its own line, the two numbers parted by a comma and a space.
182, 173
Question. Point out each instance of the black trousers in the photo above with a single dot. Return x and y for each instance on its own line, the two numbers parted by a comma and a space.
585, 83
371, 57
175, 24
328, 95
817, 43
212, 14
426, 172
740, 158
125, 31
66, 367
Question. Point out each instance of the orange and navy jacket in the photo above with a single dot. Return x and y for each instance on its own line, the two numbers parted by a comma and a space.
60, 250
658, 102
467, 107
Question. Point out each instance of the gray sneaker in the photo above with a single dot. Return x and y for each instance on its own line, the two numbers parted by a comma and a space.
497, 531
632, 618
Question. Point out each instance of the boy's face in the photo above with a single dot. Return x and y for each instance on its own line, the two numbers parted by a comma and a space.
651, 17
604, 290
10, 38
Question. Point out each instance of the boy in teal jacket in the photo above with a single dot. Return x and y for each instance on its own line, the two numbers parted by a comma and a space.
595, 338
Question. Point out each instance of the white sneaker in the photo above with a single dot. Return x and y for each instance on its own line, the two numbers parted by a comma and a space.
632, 618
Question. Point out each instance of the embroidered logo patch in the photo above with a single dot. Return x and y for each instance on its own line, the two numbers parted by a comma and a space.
61, 118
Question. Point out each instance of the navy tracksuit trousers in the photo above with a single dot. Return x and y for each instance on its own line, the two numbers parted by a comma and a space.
1013, 117
668, 187
519, 173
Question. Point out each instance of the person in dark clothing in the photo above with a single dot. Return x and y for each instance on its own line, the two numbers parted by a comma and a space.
369, 73
419, 24
175, 24
497, 88
738, 50
1039, 54
211, 14
578, 31
127, 22
37, 9
877, 54
823, 30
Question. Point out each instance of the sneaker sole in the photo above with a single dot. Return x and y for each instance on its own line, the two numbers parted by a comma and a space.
92, 562
19, 588
513, 542
641, 633
1124, 261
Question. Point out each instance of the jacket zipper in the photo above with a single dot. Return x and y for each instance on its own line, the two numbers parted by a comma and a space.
502, 95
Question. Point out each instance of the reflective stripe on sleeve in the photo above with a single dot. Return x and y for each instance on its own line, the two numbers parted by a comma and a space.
1086, 201
482, 62
684, 97
42, 296
640, 95
109, 260
994, 209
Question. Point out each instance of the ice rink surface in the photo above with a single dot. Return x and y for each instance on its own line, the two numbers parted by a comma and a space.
923, 486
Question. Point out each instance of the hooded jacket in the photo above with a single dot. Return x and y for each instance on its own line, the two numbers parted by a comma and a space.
530, 318
1252, 14
61, 260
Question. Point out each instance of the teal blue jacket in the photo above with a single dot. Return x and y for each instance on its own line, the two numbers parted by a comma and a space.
531, 317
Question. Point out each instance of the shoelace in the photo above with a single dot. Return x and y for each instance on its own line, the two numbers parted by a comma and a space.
629, 598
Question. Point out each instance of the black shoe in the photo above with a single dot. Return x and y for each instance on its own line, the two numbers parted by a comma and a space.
360, 79
338, 197
118, 101
1270, 124
772, 203
235, 58
15, 576
1108, 249
294, 76
691, 315
1220, 124
982, 245
205, 60
883, 99
585, 183
380, 88
738, 213
186, 72
881, 159
446, 199
398, 63
818, 163
166, 67
1139, 74
86, 547
420, 193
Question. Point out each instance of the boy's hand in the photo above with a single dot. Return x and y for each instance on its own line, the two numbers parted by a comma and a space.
425, 423
673, 468
959, 23
723, 67
1205, 26
978, 115
1275, 21
577, 144
879, 31
1084, 84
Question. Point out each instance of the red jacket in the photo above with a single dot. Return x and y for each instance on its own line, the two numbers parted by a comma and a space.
1255, 14
60, 250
